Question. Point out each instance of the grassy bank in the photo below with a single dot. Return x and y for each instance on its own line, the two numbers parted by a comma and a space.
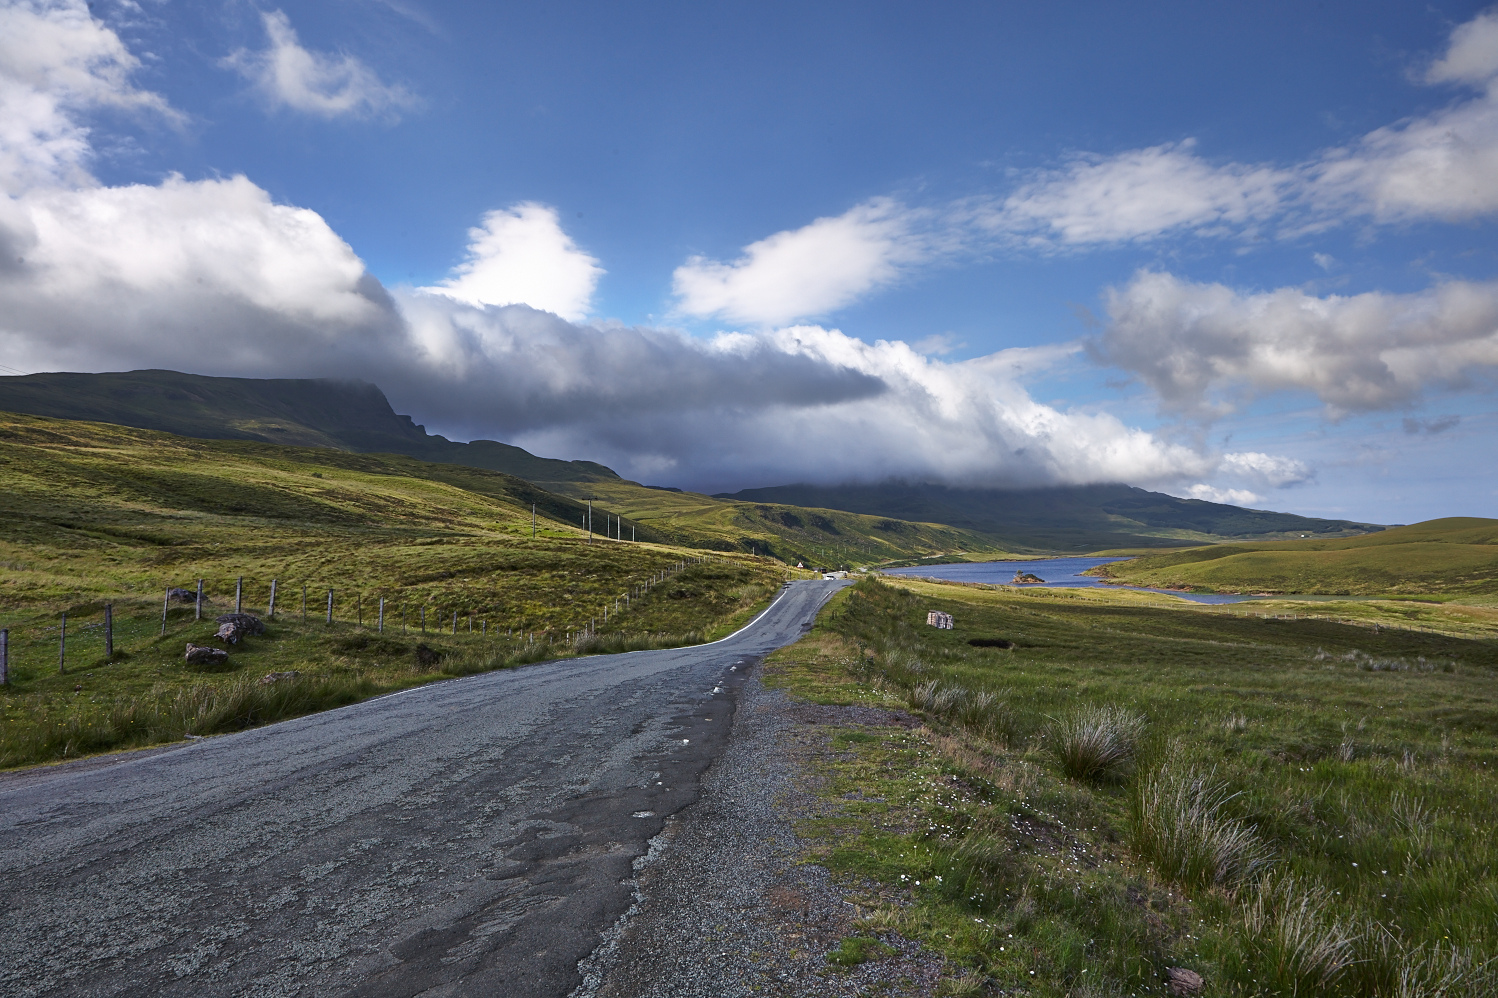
1110, 786
1454, 557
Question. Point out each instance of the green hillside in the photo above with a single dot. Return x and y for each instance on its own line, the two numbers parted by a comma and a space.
355, 416
1067, 518
1452, 556
95, 514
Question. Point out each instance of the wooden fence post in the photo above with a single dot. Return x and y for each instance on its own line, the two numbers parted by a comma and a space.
62, 647
4, 656
382, 615
455, 622
239, 595
200, 601
359, 609
330, 606
166, 601
270, 614
423, 620
108, 631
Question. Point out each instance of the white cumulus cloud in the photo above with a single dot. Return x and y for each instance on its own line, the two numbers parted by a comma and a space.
521, 255
808, 271
56, 61
1203, 346
1267, 469
320, 83
1233, 497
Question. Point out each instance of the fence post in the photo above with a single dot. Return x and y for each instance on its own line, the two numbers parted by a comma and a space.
62, 647
359, 608
270, 614
199, 615
455, 622
166, 601
239, 595
108, 631
382, 615
4, 656
483, 629
330, 606
423, 620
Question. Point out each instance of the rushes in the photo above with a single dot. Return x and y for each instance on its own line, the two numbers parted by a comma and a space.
1295, 947
1180, 823
1097, 743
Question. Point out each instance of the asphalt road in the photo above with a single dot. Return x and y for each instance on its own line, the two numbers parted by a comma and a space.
472, 837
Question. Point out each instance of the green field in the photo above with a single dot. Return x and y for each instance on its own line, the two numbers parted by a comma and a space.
1285, 804
95, 514
1453, 557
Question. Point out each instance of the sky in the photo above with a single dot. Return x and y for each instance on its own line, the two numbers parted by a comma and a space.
1239, 253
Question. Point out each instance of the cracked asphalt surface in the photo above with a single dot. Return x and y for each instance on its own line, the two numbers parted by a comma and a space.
471, 837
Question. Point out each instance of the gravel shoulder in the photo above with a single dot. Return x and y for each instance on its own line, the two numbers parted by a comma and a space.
725, 905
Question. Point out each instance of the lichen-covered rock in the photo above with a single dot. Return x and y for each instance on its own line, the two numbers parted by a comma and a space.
203, 655
233, 626
1180, 981
183, 596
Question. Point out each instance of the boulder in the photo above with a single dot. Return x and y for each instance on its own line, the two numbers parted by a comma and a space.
233, 626
203, 655
183, 596
1180, 981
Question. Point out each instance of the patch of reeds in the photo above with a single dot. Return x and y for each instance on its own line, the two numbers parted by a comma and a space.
613, 643
1292, 944
1181, 824
1096, 742
164, 715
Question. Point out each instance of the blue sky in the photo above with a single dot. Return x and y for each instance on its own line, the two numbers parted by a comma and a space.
1244, 254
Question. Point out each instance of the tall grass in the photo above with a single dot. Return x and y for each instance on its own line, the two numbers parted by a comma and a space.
1180, 823
1096, 742
168, 714
1292, 945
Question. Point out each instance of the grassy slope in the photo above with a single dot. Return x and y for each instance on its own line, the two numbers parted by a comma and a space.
822, 537
1453, 556
1365, 759
94, 513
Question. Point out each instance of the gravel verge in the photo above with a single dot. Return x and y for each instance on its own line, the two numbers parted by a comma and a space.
724, 903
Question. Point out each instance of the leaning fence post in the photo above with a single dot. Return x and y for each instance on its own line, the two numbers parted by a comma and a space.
200, 601
166, 601
359, 608
62, 647
382, 615
271, 613
108, 631
455, 622
239, 595
4, 656
330, 606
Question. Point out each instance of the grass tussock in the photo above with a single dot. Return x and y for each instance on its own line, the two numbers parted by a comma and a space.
1292, 943
1097, 742
1181, 824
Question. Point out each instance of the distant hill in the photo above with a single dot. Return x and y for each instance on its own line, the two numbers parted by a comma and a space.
1063, 518
355, 416
1455, 556
300, 412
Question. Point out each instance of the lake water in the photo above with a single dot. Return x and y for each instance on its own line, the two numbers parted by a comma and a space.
1064, 573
